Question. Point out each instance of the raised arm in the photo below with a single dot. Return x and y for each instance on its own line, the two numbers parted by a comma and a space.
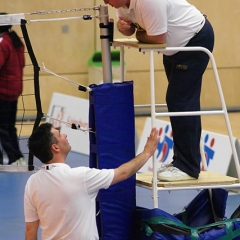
126, 170
31, 230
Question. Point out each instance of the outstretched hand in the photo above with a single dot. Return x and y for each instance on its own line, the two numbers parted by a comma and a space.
152, 142
129, 168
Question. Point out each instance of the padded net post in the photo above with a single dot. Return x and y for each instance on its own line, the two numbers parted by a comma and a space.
111, 117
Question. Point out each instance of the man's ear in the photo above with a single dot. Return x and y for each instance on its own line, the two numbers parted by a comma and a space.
55, 148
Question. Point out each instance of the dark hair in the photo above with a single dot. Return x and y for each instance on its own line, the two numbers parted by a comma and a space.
40, 142
13, 35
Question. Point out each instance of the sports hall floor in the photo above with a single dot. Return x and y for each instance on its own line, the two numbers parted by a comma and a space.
12, 225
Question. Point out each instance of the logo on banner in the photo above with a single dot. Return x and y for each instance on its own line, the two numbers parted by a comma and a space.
208, 148
165, 145
216, 148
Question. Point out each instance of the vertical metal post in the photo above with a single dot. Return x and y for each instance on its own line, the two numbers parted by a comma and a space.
153, 118
224, 107
105, 44
122, 62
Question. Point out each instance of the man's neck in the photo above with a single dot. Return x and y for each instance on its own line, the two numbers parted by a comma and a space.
56, 160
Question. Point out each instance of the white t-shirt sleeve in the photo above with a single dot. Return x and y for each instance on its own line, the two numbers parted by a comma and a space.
154, 16
96, 179
151, 15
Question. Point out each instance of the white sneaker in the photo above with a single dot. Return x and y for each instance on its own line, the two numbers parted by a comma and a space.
19, 162
163, 167
173, 174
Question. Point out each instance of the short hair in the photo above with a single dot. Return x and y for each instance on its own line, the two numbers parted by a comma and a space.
40, 142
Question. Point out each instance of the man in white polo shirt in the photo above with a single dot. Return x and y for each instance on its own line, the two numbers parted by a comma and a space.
178, 24
62, 199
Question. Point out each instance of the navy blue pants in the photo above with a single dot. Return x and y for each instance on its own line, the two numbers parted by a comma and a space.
8, 132
184, 72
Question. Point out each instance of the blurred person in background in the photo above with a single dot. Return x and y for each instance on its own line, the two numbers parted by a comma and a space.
12, 62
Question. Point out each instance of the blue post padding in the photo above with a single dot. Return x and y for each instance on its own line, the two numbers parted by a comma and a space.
117, 214
111, 117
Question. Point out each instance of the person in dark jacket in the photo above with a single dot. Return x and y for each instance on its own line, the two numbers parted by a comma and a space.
12, 62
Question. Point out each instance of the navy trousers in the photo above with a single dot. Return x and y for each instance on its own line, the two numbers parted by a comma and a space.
184, 72
8, 132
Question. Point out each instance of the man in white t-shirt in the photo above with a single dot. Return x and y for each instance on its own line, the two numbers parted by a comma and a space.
178, 24
62, 199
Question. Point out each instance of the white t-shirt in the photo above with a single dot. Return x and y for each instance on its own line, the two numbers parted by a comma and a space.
63, 200
178, 18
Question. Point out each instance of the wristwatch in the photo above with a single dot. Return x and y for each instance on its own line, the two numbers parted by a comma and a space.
137, 26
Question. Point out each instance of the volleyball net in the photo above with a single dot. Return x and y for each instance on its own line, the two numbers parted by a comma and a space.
33, 71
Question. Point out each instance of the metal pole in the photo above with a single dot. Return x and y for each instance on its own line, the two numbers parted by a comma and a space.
105, 44
153, 120
122, 62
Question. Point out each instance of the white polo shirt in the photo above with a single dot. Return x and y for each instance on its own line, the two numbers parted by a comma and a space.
63, 200
178, 18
